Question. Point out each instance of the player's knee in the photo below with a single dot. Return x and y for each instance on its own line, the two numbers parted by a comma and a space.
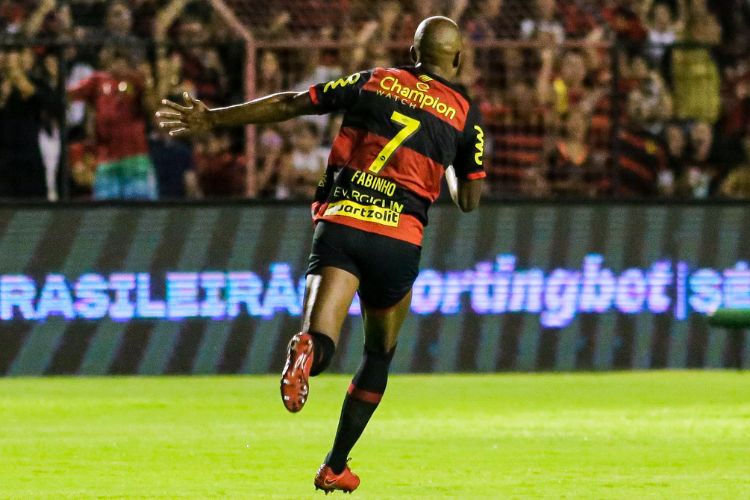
380, 344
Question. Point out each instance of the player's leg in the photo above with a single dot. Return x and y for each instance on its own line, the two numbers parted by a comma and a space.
332, 281
328, 296
368, 385
385, 292
387, 268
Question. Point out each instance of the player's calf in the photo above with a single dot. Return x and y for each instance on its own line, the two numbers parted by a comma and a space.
360, 402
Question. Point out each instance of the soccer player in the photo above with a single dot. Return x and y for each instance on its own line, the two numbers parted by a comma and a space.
403, 129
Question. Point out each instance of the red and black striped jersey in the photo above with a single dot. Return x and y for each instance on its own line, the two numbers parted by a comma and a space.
402, 127
642, 157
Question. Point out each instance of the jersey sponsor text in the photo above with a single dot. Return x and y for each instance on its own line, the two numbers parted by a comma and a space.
414, 97
367, 213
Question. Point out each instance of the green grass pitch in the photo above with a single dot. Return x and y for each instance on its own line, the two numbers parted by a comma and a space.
623, 435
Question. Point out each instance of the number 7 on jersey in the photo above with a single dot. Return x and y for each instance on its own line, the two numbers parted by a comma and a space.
410, 128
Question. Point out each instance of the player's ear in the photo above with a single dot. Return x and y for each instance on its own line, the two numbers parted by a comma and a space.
414, 54
457, 60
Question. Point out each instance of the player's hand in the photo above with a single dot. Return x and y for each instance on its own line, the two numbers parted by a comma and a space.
191, 119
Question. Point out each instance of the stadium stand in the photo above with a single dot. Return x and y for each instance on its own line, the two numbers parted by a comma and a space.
584, 98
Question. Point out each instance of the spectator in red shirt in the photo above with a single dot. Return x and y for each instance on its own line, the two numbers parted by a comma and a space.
573, 169
626, 24
201, 64
642, 159
220, 173
122, 102
518, 145
576, 19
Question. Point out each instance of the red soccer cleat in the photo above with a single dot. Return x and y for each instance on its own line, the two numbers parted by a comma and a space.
294, 378
329, 481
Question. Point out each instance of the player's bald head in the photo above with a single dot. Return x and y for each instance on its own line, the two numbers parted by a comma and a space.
437, 41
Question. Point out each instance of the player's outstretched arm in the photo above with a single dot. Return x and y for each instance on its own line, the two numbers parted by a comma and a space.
194, 117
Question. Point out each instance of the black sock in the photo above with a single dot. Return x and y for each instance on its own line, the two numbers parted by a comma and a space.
362, 398
323, 350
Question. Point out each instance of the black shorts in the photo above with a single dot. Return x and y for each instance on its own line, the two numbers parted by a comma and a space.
386, 267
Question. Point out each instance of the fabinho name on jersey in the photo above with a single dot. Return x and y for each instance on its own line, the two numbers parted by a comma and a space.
351, 202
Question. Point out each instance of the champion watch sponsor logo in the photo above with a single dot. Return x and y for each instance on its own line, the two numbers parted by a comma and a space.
418, 97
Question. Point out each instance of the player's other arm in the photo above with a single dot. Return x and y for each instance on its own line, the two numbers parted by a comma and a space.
195, 117
465, 177
464, 193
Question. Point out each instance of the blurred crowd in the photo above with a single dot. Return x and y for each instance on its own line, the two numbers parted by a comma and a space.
584, 98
